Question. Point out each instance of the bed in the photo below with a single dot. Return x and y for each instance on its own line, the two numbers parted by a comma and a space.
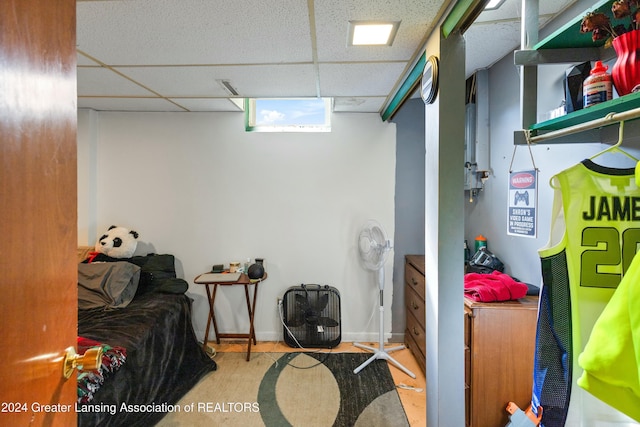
151, 355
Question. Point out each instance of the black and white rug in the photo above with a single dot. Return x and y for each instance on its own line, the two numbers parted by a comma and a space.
292, 389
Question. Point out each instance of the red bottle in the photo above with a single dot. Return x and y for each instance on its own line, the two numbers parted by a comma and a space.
597, 87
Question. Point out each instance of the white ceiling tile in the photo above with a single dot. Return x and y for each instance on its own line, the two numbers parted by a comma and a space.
512, 10
488, 42
184, 32
94, 81
179, 49
356, 80
358, 104
332, 24
84, 61
207, 104
128, 104
253, 81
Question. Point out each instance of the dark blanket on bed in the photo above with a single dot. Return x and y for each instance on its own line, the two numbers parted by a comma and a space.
164, 359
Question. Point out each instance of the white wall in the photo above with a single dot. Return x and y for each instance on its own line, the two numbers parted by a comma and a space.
86, 171
198, 186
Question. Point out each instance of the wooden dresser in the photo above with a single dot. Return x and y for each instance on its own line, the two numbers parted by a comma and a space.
414, 297
499, 344
499, 341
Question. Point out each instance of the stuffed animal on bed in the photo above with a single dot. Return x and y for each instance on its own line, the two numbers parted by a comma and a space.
117, 242
158, 272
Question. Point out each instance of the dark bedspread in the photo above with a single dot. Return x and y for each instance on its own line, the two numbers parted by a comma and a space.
164, 359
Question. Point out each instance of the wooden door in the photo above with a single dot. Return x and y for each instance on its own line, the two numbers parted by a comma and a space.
38, 270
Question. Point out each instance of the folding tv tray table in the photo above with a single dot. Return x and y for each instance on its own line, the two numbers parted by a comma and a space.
230, 279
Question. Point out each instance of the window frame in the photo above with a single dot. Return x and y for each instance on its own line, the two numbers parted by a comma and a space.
251, 117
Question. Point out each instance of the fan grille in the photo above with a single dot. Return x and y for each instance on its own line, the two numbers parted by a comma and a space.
373, 245
311, 315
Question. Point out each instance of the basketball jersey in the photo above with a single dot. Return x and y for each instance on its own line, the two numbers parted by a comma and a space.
595, 231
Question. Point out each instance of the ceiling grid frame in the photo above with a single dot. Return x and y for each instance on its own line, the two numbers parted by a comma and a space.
157, 55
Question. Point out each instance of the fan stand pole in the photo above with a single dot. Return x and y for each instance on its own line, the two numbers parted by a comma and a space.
381, 352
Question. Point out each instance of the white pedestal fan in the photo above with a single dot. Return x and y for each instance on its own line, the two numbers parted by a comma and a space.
374, 248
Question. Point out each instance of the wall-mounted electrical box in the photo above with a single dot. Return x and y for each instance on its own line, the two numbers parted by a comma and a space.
476, 166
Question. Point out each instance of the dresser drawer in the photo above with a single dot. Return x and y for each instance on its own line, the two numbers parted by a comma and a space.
411, 344
415, 280
417, 333
467, 327
467, 354
467, 411
414, 304
467, 366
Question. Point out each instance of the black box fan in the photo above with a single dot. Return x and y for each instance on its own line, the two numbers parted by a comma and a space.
311, 315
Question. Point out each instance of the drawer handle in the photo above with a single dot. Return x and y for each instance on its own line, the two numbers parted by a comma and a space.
414, 305
413, 281
415, 331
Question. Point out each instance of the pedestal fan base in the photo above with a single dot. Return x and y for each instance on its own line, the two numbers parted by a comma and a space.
382, 353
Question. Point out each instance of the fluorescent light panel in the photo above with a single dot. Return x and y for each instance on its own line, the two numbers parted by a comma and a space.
372, 33
493, 4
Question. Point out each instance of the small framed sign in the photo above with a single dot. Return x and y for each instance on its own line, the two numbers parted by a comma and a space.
429, 89
523, 201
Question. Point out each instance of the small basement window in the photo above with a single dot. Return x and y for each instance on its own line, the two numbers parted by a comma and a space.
288, 114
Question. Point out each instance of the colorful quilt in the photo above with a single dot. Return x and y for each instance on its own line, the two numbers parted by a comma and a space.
89, 381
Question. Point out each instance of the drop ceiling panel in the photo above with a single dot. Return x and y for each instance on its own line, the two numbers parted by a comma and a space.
512, 10
488, 41
207, 104
93, 81
355, 80
358, 104
332, 25
268, 48
253, 81
128, 104
84, 61
484, 48
163, 32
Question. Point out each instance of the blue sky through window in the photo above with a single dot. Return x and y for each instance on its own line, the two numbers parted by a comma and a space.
287, 112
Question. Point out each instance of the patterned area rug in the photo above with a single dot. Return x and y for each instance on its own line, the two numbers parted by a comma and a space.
292, 389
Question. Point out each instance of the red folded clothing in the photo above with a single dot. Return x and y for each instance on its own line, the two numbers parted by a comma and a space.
496, 286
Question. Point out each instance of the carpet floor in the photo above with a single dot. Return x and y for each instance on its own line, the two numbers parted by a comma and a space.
278, 389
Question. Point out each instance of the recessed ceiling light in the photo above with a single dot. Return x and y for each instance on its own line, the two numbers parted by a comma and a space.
372, 33
493, 4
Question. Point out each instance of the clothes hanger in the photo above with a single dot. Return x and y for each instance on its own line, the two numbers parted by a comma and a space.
615, 148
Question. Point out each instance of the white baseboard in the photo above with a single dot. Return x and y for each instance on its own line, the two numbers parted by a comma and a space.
346, 336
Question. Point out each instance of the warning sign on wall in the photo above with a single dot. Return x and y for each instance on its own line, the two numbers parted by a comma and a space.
522, 202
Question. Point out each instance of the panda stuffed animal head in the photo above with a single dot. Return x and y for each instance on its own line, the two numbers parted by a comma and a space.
117, 242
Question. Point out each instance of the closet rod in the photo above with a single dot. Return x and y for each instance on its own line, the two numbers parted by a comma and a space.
604, 121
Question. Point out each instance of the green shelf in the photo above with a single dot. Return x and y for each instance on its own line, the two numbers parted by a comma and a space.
598, 111
569, 36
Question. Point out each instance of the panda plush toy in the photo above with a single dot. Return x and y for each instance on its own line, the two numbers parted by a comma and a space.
117, 242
